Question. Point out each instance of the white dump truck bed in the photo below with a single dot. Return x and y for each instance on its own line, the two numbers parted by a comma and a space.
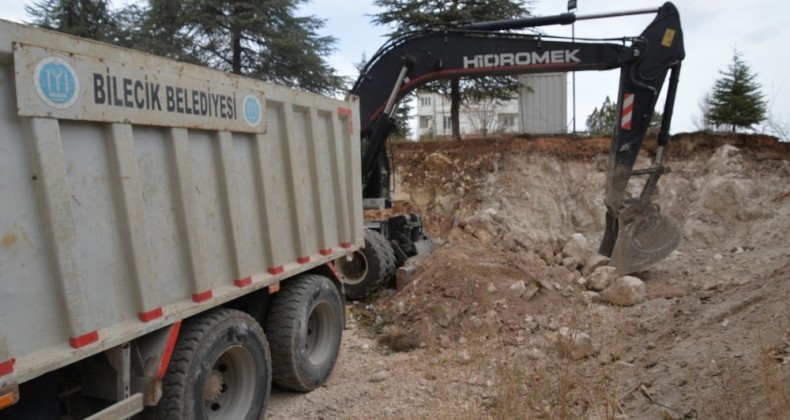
136, 191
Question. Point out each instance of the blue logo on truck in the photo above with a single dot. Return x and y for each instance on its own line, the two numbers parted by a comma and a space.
252, 110
56, 82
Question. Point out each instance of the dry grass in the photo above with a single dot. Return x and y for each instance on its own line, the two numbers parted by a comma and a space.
607, 387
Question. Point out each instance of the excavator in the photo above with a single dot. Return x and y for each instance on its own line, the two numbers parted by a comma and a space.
636, 233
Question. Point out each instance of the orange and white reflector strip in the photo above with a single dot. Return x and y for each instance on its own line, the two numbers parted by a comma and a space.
9, 396
628, 111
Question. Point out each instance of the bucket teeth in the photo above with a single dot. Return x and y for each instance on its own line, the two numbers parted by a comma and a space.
645, 237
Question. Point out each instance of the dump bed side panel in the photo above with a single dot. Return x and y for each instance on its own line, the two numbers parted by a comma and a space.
136, 191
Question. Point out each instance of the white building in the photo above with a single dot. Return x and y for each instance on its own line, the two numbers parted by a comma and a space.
540, 108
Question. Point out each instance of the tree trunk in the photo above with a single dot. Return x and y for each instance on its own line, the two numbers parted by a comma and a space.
455, 106
236, 51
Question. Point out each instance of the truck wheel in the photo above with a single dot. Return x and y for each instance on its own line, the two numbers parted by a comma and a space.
220, 369
304, 326
369, 268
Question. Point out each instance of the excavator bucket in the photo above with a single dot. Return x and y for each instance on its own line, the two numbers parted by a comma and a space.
645, 237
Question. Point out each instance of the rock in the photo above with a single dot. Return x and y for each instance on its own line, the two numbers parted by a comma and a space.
576, 247
444, 341
574, 344
726, 197
531, 325
547, 254
465, 357
567, 291
442, 315
531, 291
491, 211
518, 288
456, 235
570, 263
625, 291
601, 278
491, 288
558, 275
447, 202
546, 322
594, 261
545, 283
483, 235
574, 276
379, 376
422, 198
438, 160
477, 323
535, 354
588, 297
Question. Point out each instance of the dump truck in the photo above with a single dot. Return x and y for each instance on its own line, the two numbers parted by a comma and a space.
174, 239
167, 233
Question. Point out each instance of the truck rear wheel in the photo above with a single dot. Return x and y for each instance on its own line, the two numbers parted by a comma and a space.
369, 268
220, 369
304, 326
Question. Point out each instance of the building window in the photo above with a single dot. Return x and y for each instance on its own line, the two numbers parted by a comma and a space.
425, 122
447, 123
425, 101
508, 120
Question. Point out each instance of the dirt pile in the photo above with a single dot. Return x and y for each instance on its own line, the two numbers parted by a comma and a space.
517, 220
509, 316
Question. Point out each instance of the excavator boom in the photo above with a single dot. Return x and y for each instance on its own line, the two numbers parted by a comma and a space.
636, 234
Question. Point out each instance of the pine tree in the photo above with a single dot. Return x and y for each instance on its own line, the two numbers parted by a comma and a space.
84, 18
409, 15
736, 100
259, 39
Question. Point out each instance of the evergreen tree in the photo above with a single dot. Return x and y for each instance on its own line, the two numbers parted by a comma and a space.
409, 15
601, 121
84, 18
736, 100
260, 39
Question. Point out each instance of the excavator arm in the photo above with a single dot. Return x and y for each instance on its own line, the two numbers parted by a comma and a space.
636, 233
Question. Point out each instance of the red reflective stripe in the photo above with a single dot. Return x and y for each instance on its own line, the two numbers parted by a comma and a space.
150, 315
628, 111
84, 340
171, 344
243, 282
7, 367
327, 251
276, 270
274, 288
345, 244
303, 260
346, 112
202, 296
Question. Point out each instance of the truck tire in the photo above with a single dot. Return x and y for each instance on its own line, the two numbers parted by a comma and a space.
220, 369
370, 267
304, 326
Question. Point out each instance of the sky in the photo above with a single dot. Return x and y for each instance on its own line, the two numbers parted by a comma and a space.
713, 30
